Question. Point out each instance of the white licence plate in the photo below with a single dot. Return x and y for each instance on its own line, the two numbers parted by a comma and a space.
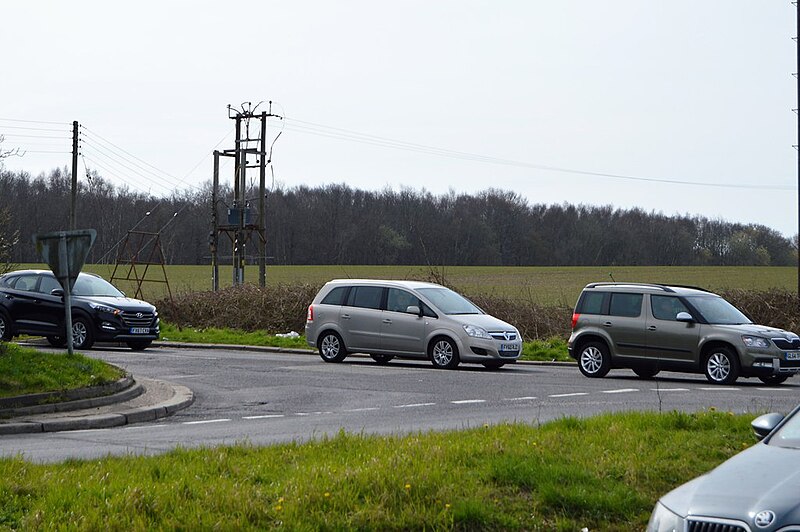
140, 330
509, 347
793, 356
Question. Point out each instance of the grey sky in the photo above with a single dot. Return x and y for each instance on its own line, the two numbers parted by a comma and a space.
680, 90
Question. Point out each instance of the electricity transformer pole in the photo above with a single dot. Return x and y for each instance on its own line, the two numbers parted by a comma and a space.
240, 226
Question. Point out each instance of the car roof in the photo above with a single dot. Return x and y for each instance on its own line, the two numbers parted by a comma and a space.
39, 272
650, 288
411, 285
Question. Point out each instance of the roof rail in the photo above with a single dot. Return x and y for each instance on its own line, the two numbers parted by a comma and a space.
649, 285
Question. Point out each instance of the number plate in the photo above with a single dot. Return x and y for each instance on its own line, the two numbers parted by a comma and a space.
509, 347
140, 330
793, 356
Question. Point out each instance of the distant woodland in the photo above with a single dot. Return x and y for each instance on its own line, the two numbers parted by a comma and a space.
336, 224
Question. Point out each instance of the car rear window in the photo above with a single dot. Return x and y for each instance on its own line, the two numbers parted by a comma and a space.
335, 296
591, 303
626, 305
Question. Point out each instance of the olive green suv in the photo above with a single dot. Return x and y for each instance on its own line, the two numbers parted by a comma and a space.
651, 327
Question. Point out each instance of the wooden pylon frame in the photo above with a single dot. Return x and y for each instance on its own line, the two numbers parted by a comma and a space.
131, 258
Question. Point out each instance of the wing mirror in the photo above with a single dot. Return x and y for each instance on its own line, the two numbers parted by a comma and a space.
413, 309
763, 425
58, 292
684, 317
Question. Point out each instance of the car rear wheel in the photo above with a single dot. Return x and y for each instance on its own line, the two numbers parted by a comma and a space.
382, 359
493, 364
773, 380
444, 353
646, 372
594, 360
82, 337
722, 366
331, 347
5, 327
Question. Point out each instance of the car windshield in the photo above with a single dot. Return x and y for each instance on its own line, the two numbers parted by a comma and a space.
449, 302
89, 285
717, 311
788, 435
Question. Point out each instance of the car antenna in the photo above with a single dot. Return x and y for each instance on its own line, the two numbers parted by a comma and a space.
612, 277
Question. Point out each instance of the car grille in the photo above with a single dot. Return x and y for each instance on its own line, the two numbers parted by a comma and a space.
786, 345
694, 525
138, 319
504, 336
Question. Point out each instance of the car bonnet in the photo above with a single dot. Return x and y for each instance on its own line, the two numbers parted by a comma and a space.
762, 478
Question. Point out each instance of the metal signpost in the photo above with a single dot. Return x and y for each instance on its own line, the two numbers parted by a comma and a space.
65, 252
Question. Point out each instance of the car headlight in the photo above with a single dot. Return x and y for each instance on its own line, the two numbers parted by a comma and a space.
755, 341
105, 308
476, 332
663, 520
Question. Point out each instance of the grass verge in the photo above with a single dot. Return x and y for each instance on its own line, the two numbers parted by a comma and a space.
551, 349
26, 370
602, 473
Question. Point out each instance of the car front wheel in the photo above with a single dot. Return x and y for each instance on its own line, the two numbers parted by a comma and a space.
57, 341
5, 327
382, 359
594, 360
140, 345
444, 353
82, 337
331, 347
773, 380
722, 366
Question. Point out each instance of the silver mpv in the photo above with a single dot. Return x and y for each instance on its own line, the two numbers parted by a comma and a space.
407, 319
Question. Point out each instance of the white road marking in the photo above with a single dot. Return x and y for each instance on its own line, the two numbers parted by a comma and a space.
530, 398
568, 394
267, 416
775, 389
414, 405
184, 376
622, 390
669, 389
720, 389
363, 409
148, 427
468, 401
206, 421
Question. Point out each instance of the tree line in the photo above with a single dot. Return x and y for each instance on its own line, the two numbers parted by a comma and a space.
337, 224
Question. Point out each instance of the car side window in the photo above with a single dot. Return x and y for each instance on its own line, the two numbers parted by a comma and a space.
26, 283
591, 303
335, 296
365, 297
48, 284
666, 307
626, 305
399, 300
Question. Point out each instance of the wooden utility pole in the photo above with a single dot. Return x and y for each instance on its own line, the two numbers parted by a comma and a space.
74, 196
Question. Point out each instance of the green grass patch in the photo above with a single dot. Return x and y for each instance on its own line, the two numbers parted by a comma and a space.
26, 370
602, 473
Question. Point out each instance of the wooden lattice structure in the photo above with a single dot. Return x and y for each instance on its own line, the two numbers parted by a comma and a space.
139, 251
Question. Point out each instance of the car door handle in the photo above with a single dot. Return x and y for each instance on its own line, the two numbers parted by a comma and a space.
387, 320
651, 328
345, 316
607, 324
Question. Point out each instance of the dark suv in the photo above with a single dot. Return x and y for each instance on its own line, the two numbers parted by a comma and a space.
31, 302
653, 327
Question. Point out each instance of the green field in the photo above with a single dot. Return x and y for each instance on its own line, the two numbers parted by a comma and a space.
544, 285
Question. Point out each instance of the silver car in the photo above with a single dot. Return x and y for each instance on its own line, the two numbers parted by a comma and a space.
756, 490
408, 319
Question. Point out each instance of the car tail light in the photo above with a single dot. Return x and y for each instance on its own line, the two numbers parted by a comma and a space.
310, 316
575, 317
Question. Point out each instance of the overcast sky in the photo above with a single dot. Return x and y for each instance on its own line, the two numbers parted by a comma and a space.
544, 98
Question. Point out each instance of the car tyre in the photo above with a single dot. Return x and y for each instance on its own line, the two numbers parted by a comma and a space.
444, 353
721, 366
57, 341
594, 360
82, 336
493, 364
331, 347
140, 345
646, 372
382, 359
5, 327
773, 380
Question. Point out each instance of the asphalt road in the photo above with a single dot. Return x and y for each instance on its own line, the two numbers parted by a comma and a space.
263, 398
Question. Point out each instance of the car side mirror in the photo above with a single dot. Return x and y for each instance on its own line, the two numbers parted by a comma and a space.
58, 292
763, 425
413, 309
684, 317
